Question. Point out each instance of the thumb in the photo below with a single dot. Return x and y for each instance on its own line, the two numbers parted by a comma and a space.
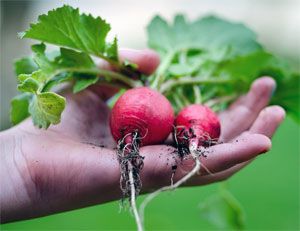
146, 60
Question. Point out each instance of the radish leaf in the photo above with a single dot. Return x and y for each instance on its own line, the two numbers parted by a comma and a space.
64, 26
211, 51
19, 108
208, 33
83, 82
25, 65
46, 108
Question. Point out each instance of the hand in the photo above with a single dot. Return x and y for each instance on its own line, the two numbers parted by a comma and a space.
74, 165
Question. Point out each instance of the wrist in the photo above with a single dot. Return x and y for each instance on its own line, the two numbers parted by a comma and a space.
14, 193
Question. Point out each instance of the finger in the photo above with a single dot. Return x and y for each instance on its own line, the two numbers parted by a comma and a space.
232, 160
246, 147
241, 114
259, 94
158, 168
268, 121
146, 60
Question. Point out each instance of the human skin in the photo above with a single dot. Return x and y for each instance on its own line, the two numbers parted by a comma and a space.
73, 164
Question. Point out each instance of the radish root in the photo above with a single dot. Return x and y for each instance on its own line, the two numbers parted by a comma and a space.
195, 155
132, 199
131, 162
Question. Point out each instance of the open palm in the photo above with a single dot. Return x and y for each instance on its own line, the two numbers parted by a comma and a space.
74, 164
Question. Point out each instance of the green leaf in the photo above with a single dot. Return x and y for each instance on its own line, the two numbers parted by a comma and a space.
83, 82
41, 58
28, 85
19, 108
245, 69
53, 72
160, 35
197, 48
223, 211
65, 26
46, 108
31, 82
248, 66
208, 33
112, 50
25, 65
60, 78
215, 32
71, 58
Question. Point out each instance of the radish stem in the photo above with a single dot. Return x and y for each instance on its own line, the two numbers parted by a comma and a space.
160, 73
224, 99
95, 71
178, 101
185, 100
197, 93
169, 84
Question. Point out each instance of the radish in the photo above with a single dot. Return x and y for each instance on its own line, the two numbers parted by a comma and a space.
144, 112
141, 116
195, 126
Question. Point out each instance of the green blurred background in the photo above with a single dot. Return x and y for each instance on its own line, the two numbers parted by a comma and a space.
268, 189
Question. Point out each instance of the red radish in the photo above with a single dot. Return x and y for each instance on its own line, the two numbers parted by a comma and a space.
144, 111
197, 125
141, 116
